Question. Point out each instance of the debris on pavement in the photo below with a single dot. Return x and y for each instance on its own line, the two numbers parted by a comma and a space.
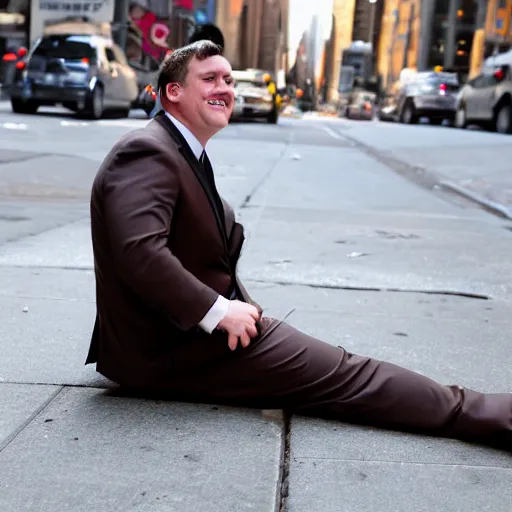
356, 254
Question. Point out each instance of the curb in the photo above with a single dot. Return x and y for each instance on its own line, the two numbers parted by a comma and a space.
492, 206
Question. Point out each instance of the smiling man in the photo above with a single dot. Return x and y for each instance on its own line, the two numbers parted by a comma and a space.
172, 314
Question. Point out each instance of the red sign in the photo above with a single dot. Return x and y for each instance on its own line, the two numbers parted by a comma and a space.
184, 4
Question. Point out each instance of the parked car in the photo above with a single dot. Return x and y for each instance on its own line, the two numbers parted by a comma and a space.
85, 73
487, 99
252, 97
424, 94
360, 105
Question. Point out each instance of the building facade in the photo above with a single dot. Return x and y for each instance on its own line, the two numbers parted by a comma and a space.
353, 20
367, 20
455, 35
400, 37
256, 33
343, 14
498, 27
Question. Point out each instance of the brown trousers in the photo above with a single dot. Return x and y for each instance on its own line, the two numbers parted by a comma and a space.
286, 369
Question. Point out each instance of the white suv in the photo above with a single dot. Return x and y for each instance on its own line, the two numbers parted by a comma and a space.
486, 100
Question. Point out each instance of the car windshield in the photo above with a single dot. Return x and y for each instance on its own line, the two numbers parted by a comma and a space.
450, 81
65, 47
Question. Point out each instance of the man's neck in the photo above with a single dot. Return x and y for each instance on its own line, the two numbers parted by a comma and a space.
194, 144
177, 115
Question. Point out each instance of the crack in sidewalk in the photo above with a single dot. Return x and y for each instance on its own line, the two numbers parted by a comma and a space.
10, 438
454, 293
283, 482
24, 158
264, 178
36, 233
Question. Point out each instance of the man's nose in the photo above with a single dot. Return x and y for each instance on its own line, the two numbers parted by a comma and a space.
225, 88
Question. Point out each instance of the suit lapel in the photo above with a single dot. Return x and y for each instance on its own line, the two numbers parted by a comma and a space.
189, 156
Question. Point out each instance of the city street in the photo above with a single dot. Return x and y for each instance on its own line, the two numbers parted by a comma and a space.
382, 238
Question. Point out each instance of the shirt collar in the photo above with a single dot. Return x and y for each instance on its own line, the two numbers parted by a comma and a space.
194, 144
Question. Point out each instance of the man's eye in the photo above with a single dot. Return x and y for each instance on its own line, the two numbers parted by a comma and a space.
229, 81
209, 78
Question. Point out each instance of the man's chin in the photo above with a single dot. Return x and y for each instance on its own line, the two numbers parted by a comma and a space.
220, 121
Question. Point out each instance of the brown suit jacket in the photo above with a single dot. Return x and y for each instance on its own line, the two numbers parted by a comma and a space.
162, 253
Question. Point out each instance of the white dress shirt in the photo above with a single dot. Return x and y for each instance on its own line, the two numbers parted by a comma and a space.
220, 306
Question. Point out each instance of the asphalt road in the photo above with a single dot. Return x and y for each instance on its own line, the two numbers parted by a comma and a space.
350, 230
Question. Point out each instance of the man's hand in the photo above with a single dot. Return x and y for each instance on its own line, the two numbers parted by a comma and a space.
240, 323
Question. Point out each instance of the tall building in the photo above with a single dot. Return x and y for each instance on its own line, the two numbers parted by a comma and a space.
353, 20
367, 18
256, 33
451, 34
497, 27
400, 37
343, 14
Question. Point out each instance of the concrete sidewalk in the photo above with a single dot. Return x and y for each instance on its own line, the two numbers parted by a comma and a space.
397, 274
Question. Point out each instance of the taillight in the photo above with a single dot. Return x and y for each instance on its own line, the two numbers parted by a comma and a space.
9, 57
442, 87
20, 65
22, 52
85, 60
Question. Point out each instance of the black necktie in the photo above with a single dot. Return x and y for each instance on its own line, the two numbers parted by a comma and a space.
208, 171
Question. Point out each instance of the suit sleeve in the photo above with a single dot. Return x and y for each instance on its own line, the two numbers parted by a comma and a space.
139, 193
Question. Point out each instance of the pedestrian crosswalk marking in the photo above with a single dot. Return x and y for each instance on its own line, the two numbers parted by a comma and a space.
127, 123
74, 123
14, 126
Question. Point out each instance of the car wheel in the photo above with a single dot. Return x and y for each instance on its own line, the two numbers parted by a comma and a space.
408, 114
504, 119
95, 106
23, 107
461, 120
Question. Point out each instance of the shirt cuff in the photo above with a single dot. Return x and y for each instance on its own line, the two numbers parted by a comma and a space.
216, 313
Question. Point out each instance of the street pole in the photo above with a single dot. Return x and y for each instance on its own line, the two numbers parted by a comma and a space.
427, 20
121, 22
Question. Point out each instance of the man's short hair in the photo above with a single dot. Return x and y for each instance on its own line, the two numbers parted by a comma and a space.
176, 68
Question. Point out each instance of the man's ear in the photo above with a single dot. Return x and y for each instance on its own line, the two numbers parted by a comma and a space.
173, 92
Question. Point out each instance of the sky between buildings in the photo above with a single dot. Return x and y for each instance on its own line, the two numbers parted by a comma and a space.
301, 13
